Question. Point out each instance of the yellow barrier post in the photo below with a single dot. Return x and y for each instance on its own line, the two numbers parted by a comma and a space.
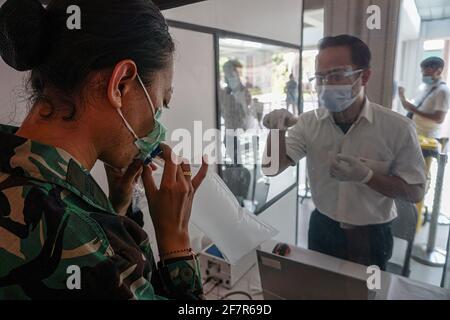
430, 150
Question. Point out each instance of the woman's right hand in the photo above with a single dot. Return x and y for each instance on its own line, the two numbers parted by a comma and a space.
170, 205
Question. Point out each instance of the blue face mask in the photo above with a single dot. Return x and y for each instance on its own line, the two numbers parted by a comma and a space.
234, 82
149, 145
336, 98
428, 80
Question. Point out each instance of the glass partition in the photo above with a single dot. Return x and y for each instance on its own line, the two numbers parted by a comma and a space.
255, 79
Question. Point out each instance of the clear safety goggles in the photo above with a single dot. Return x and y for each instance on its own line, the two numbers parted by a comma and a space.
335, 77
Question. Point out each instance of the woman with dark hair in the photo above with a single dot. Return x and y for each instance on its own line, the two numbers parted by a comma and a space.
97, 94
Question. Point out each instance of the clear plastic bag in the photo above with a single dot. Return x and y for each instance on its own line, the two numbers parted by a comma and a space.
217, 213
235, 230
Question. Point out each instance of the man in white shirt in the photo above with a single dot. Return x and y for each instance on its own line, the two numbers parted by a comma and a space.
361, 156
430, 110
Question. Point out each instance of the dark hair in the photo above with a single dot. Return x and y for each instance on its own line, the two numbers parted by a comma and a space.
434, 63
361, 55
230, 67
36, 38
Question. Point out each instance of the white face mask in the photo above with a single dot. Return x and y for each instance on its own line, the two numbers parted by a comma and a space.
337, 98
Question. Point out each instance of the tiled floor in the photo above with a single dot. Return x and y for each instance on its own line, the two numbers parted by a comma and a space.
419, 271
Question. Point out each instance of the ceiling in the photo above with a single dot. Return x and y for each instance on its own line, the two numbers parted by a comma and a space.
433, 9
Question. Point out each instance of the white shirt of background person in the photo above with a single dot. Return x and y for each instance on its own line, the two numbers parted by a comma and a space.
438, 100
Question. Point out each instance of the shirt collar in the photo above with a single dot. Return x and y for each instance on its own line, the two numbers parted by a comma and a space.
31, 159
366, 112
438, 83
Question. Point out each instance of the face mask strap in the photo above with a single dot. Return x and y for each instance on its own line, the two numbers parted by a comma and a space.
146, 94
354, 83
127, 124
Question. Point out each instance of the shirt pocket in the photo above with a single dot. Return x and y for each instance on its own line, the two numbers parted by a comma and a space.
380, 167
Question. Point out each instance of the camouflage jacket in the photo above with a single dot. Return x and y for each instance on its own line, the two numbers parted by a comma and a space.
57, 223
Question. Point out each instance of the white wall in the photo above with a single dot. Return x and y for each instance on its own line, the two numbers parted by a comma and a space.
13, 100
410, 21
314, 19
273, 19
311, 37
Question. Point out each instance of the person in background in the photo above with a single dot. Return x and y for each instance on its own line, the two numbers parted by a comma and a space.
235, 99
430, 110
360, 157
235, 105
97, 94
291, 90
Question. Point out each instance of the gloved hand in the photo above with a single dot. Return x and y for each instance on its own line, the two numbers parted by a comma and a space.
280, 119
348, 168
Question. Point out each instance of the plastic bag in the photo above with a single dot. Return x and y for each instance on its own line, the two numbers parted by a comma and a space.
233, 229
217, 213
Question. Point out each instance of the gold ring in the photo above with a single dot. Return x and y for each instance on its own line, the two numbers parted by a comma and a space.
187, 173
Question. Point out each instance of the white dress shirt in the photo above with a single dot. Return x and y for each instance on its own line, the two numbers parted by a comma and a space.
438, 100
385, 140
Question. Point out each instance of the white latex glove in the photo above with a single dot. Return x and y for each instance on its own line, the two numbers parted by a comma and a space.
280, 119
348, 168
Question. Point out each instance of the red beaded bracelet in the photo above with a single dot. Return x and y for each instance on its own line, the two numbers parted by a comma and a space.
175, 252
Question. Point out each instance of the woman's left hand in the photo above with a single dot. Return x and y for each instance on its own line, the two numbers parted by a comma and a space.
121, 185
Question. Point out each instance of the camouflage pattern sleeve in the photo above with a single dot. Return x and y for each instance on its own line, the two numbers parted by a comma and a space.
110, 254
61, 239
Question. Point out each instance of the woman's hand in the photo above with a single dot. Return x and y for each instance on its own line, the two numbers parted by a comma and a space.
170, 205
121, 185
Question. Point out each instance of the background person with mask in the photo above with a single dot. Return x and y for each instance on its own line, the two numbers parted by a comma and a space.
235, 100
97, 95
360, 156
431, 108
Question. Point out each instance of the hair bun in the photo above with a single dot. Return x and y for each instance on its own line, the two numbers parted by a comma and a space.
24, 34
